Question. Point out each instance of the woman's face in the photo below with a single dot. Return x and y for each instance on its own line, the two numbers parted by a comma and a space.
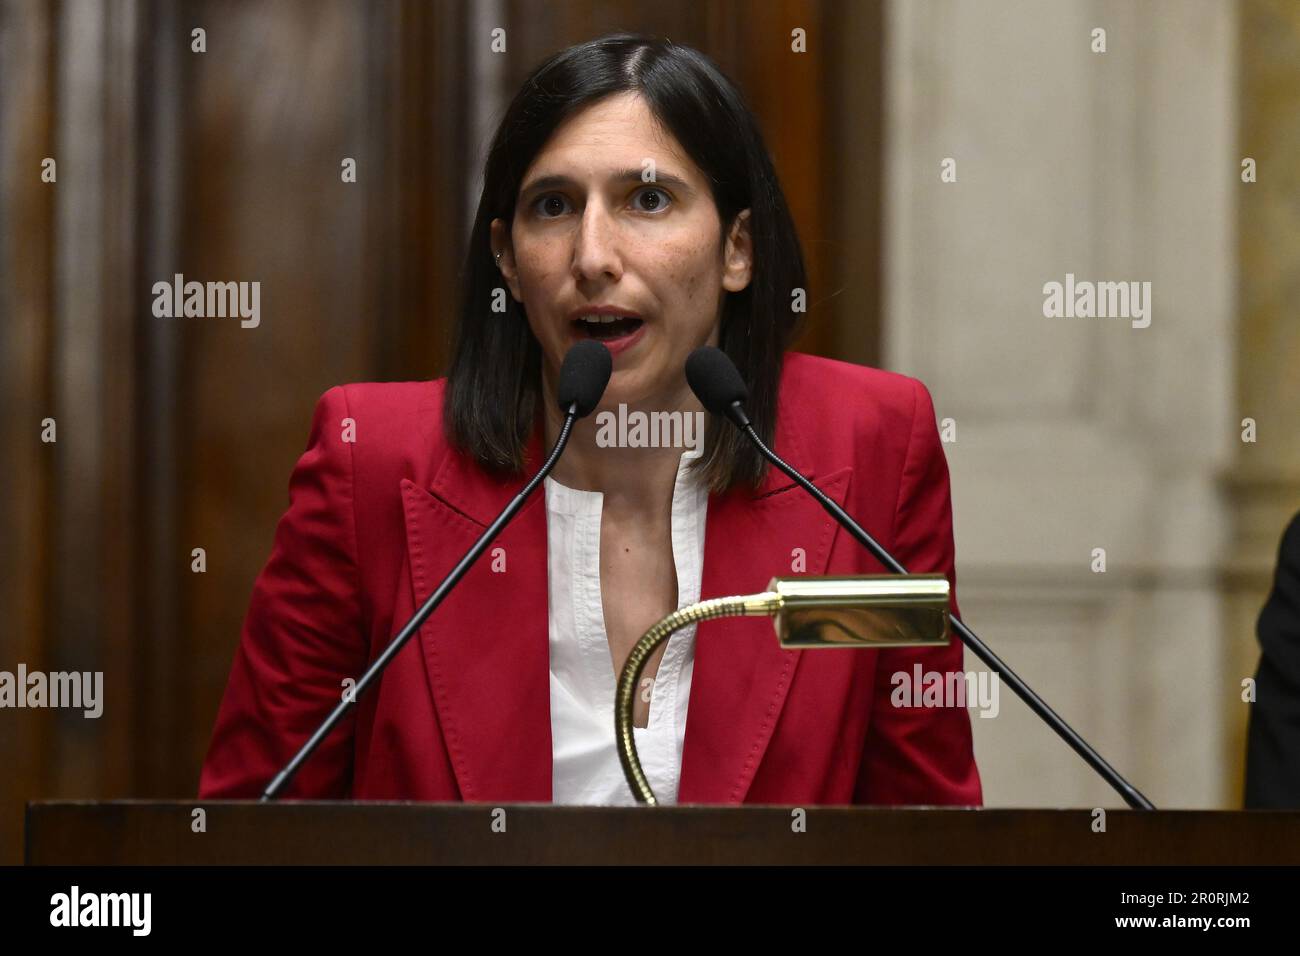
612, 213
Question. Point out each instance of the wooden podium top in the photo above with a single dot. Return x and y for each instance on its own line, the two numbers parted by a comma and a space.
310, 832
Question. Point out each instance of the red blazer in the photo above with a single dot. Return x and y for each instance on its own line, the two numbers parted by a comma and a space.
463, 711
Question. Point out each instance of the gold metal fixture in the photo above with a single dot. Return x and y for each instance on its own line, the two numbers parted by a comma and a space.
862, 611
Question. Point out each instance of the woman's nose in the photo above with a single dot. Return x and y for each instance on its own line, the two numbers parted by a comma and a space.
595, 247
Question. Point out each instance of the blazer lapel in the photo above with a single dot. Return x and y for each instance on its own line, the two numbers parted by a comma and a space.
742, 675
486, 647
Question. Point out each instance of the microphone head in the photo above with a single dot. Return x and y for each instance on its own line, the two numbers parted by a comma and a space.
715, 380
583, 376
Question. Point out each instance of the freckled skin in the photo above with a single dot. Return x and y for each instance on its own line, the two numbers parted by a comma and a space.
600, 241
653, 248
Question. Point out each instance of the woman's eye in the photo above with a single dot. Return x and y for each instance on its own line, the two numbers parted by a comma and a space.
660, 201
552, 205
547, 204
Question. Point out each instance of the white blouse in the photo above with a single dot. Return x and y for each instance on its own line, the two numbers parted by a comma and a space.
586, 765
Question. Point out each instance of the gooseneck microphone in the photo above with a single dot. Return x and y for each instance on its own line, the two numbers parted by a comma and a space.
717, 384
583, 377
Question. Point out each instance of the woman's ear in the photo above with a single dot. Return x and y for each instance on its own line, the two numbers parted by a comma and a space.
504, 254
738, 257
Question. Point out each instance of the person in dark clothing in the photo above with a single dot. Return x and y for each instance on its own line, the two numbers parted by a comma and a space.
1273, 736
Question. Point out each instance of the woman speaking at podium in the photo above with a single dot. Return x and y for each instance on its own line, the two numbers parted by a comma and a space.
628, 196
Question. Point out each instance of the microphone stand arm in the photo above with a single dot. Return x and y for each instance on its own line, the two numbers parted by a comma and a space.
413, 625
1132, 796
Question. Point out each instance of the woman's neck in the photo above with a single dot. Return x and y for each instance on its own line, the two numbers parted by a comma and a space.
607, 452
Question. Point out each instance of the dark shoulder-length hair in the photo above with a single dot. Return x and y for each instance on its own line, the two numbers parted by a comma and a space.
494, 380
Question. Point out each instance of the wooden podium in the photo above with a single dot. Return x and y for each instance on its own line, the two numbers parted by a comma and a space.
310, 832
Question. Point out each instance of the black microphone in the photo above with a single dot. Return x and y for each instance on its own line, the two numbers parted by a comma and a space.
716, 382
583, 377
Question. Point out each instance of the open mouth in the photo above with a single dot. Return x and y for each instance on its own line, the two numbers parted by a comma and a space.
613, 327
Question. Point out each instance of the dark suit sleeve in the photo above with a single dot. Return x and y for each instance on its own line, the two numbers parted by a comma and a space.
302, 635
920, 755
1273, 739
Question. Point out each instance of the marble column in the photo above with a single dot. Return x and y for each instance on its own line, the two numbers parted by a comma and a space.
1077, 434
